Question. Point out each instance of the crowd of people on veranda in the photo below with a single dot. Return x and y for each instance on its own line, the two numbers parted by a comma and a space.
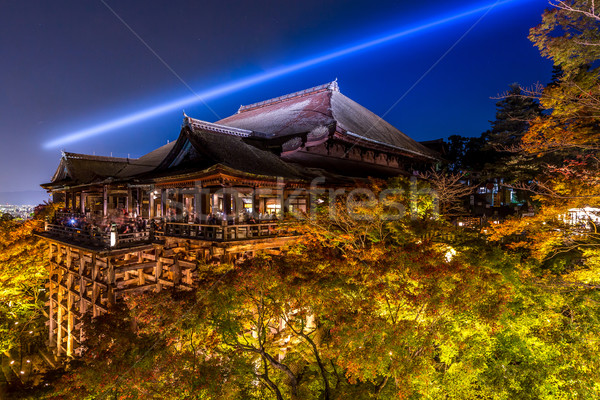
217, 218
119, 221
122, 222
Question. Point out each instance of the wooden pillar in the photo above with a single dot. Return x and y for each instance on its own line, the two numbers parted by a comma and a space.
51, 307
81, 262
141, 277
151, 204
59, 313
111, 297
82, 296
110, 278
95, 294
205, 204
95, 267
59, 254
138, 202
82, 284
176, 272
256, 202
226, 203
70, 315
110, 281
158, 270
178, 204
281, 196
284, 203
198, 212
164, 194
95, 286
105, 201
129, 201
82, 202
69, 258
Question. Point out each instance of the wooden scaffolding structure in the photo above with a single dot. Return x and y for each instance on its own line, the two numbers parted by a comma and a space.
86, 280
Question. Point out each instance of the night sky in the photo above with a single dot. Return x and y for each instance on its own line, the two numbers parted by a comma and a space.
70, 65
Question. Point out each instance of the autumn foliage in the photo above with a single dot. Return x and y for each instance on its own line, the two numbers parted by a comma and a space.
381, 298
360, 308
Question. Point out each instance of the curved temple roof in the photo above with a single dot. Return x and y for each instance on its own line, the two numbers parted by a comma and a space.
319, 107
243, 141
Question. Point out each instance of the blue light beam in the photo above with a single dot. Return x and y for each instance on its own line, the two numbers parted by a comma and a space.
243, 83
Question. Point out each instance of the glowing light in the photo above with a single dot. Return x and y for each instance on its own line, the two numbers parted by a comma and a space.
450, 253
258, 78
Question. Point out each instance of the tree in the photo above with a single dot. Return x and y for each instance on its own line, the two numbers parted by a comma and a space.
566, 137
514, 113
366, 305
22, 294
566, 273
467, 154
450, 190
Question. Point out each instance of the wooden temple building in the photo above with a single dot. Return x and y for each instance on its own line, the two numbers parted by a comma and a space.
219, 192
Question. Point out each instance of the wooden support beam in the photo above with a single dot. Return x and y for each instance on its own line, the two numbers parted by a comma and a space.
59, 314
145, 287
51, 310
158, 269
110, 277
70, 319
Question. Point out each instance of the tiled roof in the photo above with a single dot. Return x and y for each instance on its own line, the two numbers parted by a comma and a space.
318, 107
202, 145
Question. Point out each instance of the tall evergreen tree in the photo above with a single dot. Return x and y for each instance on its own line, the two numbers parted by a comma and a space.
495, 154
467, 154
514, 113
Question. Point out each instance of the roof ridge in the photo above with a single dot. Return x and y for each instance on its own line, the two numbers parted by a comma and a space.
212, 127
91, 157
330, 86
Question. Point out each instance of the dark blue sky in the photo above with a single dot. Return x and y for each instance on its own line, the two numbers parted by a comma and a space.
70, 65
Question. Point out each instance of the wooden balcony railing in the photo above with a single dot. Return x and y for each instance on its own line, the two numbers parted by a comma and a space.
68, 215
91, 236
220, 233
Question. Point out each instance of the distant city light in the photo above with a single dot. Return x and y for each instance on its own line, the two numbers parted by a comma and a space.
258, 78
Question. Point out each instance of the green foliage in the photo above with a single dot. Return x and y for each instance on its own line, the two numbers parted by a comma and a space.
360, 308
22, 278
383, 299
514, 113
